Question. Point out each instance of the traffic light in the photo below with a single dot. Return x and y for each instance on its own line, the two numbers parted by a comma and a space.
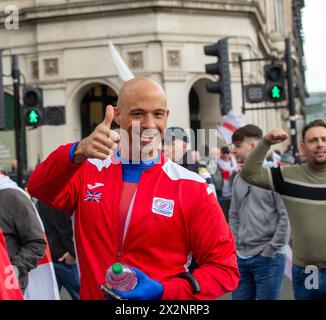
222, 86
274, 82
33, 106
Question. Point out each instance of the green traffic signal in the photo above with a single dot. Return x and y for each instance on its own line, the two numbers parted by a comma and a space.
276, 92
275, 82
33, 117
33, 106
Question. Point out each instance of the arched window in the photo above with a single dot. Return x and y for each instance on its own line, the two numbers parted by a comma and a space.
194, 110
93, 107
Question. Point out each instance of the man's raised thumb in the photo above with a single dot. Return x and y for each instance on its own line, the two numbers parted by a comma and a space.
109, 115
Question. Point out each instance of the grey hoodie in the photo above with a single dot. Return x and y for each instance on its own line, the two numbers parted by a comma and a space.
21, 228
258, 220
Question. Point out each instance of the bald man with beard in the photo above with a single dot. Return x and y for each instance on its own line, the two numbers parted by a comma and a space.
132, 205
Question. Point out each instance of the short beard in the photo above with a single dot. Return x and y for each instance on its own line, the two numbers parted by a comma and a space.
320, 163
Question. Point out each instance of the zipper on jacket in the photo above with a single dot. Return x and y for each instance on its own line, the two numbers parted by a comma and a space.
118, 255
126, 226
128, 218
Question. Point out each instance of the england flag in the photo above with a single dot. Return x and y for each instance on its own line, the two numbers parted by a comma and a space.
230, 124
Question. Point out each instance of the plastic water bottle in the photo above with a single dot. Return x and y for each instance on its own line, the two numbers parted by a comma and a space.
121, 277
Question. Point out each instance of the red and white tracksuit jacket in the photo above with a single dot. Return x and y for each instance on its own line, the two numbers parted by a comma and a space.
174, 213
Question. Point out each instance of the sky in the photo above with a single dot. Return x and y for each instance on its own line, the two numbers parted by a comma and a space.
314, 29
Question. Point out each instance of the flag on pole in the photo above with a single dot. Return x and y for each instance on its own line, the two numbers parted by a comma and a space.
230, 123
124, 72
42, 282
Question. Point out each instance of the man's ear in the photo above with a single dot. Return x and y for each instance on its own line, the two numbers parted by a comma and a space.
253, 145
117, 116
185, 146
302, 149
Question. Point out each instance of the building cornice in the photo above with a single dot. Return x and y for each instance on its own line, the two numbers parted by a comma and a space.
60, 12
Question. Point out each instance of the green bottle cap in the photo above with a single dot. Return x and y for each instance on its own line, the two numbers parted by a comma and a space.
117, 268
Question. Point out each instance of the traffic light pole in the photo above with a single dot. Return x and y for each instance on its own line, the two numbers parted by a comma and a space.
18, 120
293, 128
242, 85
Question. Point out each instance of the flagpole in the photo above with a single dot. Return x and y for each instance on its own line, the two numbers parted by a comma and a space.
124, 73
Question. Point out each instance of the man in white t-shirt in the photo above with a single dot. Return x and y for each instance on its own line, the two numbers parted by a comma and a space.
228, 167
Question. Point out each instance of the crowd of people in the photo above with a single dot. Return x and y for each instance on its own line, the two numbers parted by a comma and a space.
191, 227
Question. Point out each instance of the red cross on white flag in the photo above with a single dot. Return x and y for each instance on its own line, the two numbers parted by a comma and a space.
230, 123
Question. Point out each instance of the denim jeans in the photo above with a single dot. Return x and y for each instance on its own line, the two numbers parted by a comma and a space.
67, 276
309, 284
260, 278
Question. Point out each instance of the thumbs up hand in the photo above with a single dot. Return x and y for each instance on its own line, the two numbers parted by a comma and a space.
109, 116
101, 142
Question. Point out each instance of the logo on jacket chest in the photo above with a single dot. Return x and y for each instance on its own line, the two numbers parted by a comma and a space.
93, 196
163, 206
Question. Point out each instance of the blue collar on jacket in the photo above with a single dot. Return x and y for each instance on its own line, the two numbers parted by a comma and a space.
131, 172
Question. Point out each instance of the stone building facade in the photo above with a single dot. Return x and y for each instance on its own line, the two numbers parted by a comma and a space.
63, 48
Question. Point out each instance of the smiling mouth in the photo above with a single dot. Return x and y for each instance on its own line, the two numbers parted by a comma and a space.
146, 138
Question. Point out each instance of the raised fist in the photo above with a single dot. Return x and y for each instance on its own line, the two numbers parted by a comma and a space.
276, 136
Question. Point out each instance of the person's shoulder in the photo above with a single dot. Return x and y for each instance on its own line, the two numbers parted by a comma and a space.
238, 182
220, 161
237, 178
176, 173
15, 197
203, 171
12, 193
292, 169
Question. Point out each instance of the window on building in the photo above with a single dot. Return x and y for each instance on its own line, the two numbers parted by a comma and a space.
34, 70
194, 110
278, 16
93, 107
